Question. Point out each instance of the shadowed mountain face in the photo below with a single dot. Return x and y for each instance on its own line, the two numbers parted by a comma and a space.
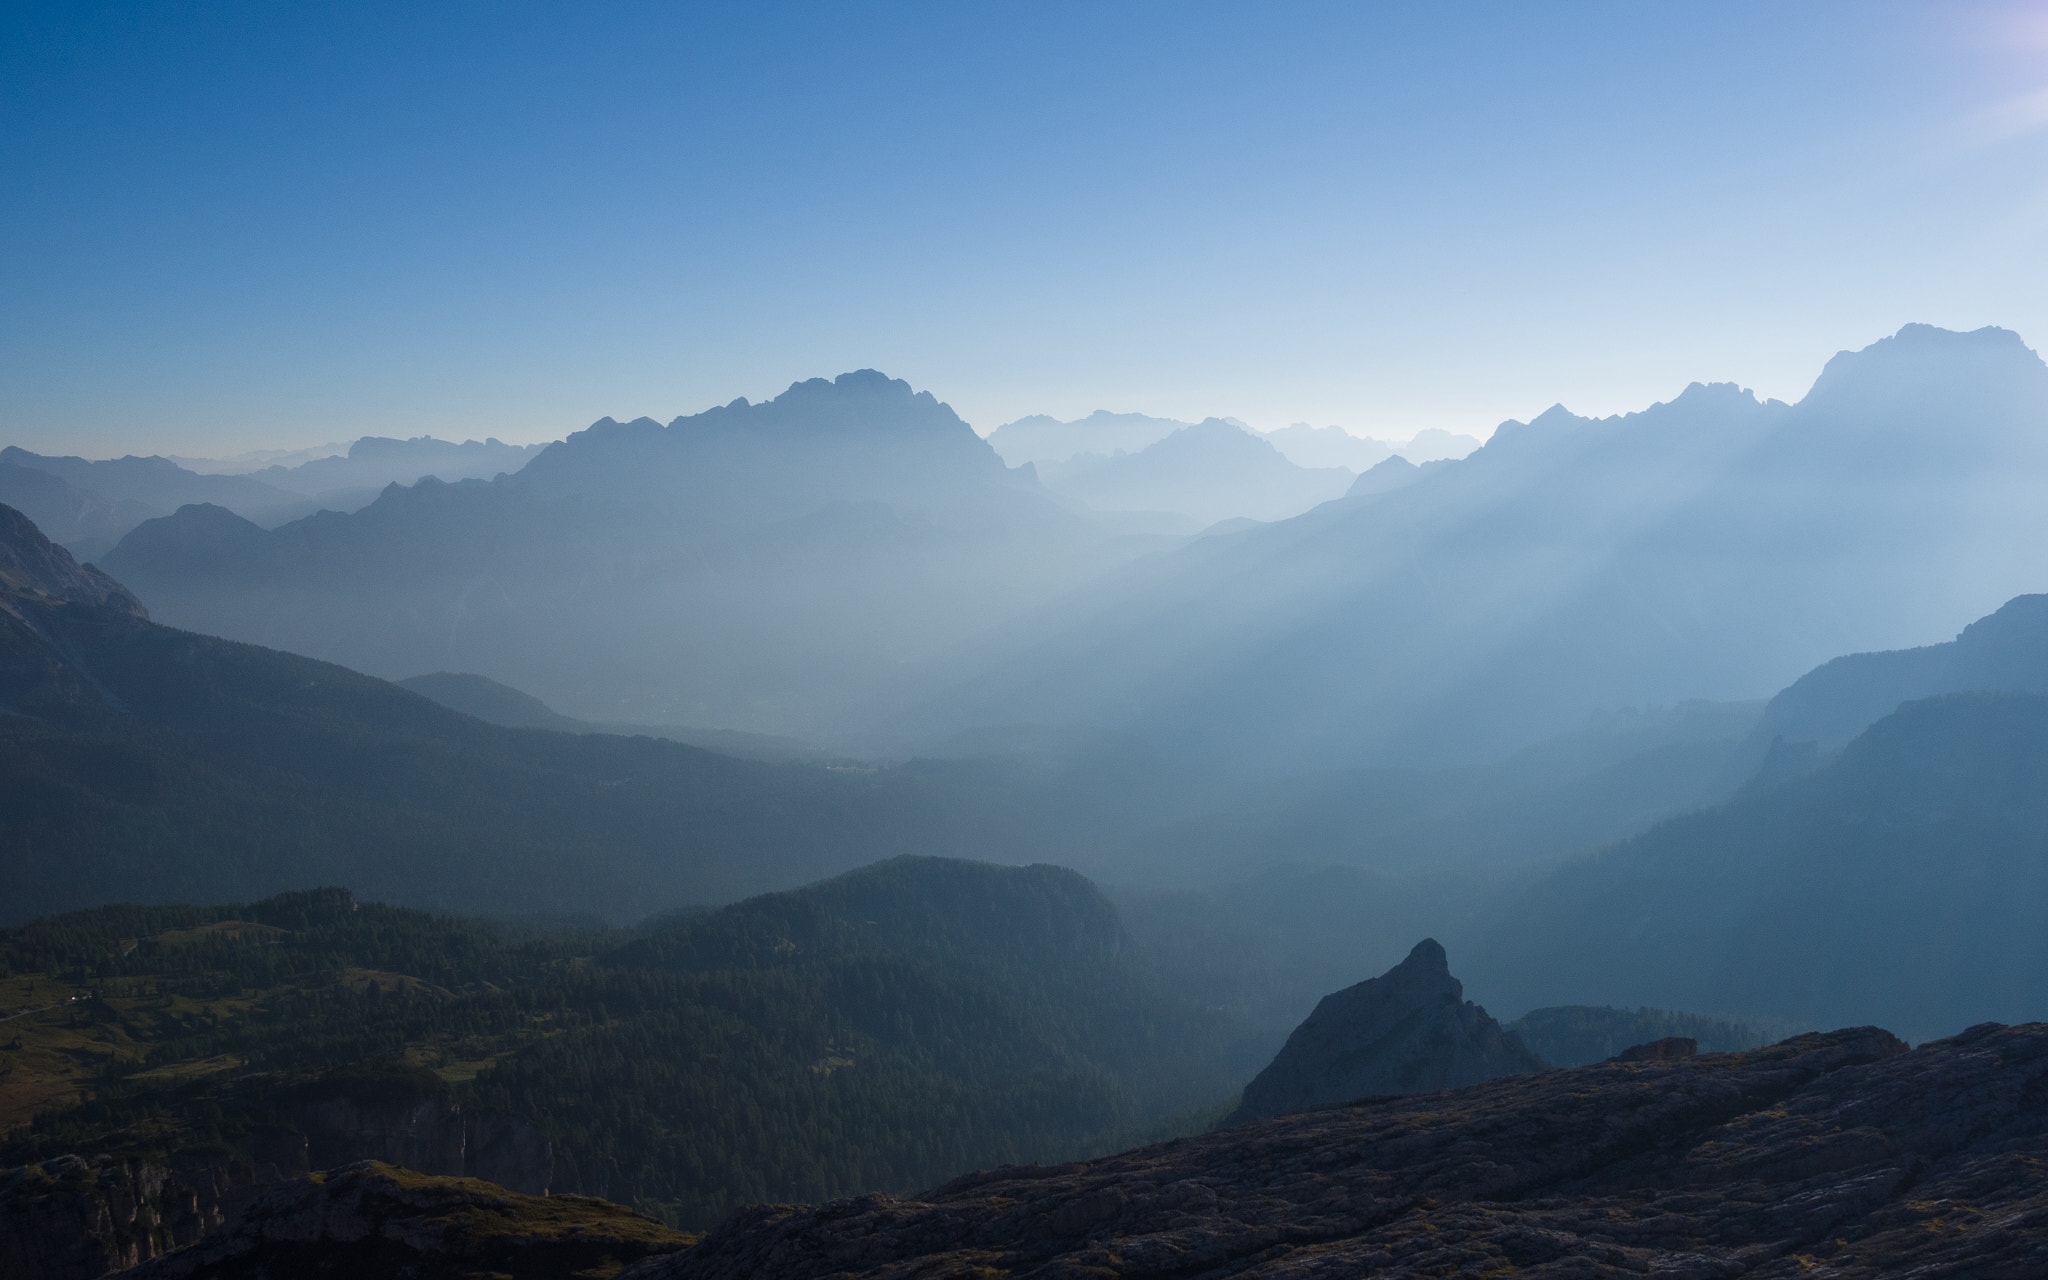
2007, 651
1410, 1030
79, 520
1903, 879
147, 764
1842, 1154
1711, 547
36, 572
753, 566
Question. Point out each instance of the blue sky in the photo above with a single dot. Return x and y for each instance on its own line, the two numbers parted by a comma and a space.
237, 226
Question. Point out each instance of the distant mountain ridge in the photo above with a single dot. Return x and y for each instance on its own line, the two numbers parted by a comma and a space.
1710, 547
1213, 470
154, 481
501, 704
375, 461
2005, 651
1041, 438
149, 764
755, 566
83, 522
88, 506
1902, 878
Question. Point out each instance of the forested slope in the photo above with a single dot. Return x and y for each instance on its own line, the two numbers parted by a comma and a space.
881, 1031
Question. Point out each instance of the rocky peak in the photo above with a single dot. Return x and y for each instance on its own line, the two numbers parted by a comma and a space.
33, 566
1410, 1030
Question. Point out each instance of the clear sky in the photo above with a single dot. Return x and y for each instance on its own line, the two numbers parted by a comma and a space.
229, 226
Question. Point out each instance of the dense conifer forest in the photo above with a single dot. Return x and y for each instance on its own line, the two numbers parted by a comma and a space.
887, 1029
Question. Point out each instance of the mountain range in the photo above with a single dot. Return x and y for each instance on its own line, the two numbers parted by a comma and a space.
146, 764
753, 567
1213, 470
1711, 547
1463, 804
88, 506
1044, 439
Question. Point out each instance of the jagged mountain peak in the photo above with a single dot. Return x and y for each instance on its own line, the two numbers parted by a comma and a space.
1923, 366
33, 566
1407, 1031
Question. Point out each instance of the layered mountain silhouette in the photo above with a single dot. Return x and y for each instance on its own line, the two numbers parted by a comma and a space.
36, 575
140, 763
375, 461
1040, 438
80, 520
1901, 879
88, 506
1711, 547
1307, 446
755, 566
155, 482
496, 703
1826, 707
1213, 470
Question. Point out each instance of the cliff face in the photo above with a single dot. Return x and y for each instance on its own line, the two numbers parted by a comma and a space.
34, 568
73, 1219
1410, 1030
430, 1134
1841, 1154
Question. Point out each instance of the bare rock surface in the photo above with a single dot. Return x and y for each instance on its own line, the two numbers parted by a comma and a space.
1828, 1155
32, 566
69, 1218
1660, 1050
1410, 1030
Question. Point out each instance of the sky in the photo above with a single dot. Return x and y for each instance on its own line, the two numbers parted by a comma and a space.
229, 227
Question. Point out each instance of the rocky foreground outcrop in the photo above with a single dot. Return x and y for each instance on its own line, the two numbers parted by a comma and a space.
1410, 1030
373, 1219
69, 1218
1836, 1155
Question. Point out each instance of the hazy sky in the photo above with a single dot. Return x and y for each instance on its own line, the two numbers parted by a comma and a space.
230, 226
